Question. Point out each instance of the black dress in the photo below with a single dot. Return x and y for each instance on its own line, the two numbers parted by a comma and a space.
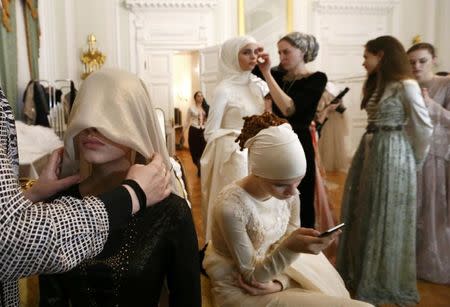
158, 244
306, 93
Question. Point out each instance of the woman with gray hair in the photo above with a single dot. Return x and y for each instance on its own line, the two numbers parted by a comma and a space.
296, 92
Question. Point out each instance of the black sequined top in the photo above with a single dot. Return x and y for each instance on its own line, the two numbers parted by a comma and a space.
158, 244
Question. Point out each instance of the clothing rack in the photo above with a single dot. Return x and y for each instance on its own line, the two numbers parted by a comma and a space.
56, 113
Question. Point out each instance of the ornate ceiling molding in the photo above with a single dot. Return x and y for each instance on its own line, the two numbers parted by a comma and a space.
169, 4
355, 5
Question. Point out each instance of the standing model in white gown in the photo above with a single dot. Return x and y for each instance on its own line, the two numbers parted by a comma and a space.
256, 231
239, 94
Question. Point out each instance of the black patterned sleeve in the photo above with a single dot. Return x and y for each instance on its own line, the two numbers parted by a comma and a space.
47, 237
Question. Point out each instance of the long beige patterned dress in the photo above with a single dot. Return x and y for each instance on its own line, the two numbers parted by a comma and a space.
247, 236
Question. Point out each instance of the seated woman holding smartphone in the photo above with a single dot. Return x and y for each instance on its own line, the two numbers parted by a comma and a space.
259, 255
111, 126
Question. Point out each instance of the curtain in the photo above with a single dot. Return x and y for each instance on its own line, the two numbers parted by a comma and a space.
8, 52
32, 31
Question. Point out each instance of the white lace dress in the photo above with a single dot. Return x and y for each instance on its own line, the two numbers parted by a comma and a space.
246, 237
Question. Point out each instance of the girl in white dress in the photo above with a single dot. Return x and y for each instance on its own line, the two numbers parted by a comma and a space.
259, 255
238, 94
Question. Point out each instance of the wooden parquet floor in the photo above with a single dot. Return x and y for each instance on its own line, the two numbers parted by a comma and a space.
432, 295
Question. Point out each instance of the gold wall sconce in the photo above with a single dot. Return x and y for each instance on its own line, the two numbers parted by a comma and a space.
92, 59
416, 39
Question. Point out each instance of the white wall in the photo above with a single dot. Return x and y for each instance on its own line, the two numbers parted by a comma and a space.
66, 24
58, 59
442, 38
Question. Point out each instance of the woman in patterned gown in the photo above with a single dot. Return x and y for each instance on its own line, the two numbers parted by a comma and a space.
376, 255
433, 180
259, 255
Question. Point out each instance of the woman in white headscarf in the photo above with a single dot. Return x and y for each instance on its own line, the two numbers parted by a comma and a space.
111, 126
257, 244
238, 94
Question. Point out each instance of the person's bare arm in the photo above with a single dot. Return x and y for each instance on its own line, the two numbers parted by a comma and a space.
279, 97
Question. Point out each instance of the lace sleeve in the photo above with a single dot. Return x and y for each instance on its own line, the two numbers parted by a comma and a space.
232, 219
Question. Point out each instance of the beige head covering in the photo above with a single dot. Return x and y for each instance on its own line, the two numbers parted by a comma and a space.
276, 153
230, 70
117, 104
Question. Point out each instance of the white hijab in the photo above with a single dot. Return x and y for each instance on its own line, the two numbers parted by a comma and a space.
276, 153
118, 105
230, 70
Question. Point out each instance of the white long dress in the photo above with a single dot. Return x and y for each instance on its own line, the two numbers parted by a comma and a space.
246, 237
222, 161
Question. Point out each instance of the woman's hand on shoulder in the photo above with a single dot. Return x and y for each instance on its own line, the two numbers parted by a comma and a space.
49, 183
307, 240
259, 288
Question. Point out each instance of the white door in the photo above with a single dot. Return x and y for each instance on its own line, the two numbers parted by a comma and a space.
209, 70
156, 71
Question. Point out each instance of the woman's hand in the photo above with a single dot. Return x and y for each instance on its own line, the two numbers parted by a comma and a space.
333, 106
153, 178
322, 115
48, 183
264, 63
307, 240
426, 96
259, 288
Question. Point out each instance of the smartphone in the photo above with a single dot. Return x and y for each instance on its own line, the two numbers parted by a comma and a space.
339, 96
331, 230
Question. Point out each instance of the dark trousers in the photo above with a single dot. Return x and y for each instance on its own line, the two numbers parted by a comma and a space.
159, 244
197, 144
